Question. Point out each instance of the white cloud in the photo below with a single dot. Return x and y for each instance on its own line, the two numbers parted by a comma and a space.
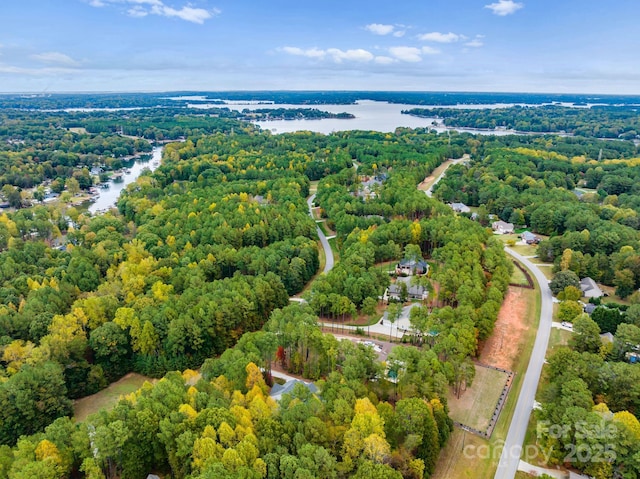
399, 33
379, 28
430, 51
406, 54
190, 14
475, 43
504, 7
337, 55
356, 55
56, 58
310, 53
440, 37
384, 60
137, 12
142, 8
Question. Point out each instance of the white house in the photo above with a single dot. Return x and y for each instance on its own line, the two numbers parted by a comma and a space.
502, 227
460, 208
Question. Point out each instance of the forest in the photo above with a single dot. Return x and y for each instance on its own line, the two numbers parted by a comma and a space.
587, 203
593, 122
202, 255
194, 269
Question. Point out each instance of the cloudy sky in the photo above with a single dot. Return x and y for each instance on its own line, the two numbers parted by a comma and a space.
582, 46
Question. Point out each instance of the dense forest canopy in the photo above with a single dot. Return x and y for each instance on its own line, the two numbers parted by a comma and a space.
195, 268
595, 122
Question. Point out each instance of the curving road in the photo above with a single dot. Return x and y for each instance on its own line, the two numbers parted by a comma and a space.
515, 437
429, 192
328, 252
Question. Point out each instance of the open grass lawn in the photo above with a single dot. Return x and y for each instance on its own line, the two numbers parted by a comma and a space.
558, 338
313, 186
109, 397
475, 406
453, 463
505, 238
611, 291
525, 249
334, 248
518, 277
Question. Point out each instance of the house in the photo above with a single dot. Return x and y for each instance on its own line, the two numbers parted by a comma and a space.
460, 208
502, 227
408, 267
606, 337
529, 238
414, 292
589, 308
278, 390
590, 289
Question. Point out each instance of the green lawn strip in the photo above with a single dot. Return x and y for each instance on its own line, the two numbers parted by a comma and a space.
334, 248
518, 277
108, 397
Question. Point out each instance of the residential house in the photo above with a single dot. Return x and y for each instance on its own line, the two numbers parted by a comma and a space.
529, 238
502, 227
409, 267
278, 390
460, 208
607, 337
589, 308
414, 292
590, 289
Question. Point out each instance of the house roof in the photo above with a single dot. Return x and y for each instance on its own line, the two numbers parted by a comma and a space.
412, 290
278, 390
460, 207
412, 263
502, 224
608, 337
587, 285
528, 235
589, 308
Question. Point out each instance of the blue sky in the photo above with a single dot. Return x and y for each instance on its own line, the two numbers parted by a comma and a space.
582, 46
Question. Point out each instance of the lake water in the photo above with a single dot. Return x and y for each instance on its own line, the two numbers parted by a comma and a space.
108, 197
369, 116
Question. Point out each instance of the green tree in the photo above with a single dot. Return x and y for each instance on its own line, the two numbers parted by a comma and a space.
586, 335
562, 279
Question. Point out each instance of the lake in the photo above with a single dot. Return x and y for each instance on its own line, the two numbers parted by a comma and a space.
369, 116
108, 197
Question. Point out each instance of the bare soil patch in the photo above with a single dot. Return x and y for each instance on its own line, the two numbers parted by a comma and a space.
504, 346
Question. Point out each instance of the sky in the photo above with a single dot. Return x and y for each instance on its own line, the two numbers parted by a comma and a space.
555, 46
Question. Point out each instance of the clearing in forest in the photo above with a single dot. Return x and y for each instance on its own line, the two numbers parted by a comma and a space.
108, 397
506, 344
476, 404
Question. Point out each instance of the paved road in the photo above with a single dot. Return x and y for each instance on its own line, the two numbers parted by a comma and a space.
328, 252
429, 192
510, 457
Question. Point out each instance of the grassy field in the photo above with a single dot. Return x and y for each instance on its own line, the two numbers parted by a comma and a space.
525, 249
518, 277
334, 248
452, 463
109, 397
475, 406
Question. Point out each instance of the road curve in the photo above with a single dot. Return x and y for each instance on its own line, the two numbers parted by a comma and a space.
429, 191
511, 452
328, 252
